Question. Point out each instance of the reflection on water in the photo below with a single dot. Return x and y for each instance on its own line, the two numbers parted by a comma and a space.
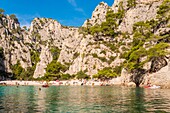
84, 99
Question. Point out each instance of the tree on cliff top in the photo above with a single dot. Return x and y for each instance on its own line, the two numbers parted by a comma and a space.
1, 11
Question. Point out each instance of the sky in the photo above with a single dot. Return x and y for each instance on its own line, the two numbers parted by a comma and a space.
67, 12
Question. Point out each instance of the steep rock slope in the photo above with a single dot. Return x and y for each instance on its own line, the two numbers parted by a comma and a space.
77, 50
12, 44
141, 12
147, 61
98, 15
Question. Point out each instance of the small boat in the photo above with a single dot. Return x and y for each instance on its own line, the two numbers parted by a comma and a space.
152, 87
147, 86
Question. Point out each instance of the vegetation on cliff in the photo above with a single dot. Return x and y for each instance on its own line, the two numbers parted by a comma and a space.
131, 3
148, 46
109, 27
54, 69
108, 73
144, 32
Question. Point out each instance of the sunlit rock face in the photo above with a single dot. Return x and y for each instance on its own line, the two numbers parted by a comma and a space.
144, 10
98, 15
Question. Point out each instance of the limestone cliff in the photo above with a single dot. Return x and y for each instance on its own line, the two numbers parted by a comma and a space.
12, 42
117, 31
98, 15
144, 10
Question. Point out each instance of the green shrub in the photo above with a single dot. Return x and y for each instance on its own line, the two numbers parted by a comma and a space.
1, 11
76, 55
95, 30
55, 51
118, 69
95, 55
84, 30
55, 67
124, 48
35, 57
111, 46
112, 58
103, 59
121, 12
103, 52
137, 54
28, 74
109, 27
82, 75
163, 13
131, 3
12, 16
17, 70
133, 57
142, 29
54, 70
65, 77
106, 73
158, 51
126, 35
164, 8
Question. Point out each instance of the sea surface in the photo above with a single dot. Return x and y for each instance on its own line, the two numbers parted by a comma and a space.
83, 99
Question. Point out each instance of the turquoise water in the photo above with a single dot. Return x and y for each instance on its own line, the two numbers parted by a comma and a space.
83, 99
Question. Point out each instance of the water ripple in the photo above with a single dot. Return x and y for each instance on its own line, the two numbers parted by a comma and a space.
83, 99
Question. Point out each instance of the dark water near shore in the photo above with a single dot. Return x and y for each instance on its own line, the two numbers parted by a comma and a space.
83, 99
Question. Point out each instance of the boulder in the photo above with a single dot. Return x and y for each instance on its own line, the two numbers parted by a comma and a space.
160, 78
131, 84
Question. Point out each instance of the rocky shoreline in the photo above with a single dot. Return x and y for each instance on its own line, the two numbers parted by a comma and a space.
160, 78
113, 82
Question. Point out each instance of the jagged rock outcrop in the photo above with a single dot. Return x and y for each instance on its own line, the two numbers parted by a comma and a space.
75, 48
13, 44
160, 78
157, 67
98, 15
45, 59
144, 10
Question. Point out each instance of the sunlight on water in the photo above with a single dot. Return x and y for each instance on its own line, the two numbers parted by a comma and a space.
83, 99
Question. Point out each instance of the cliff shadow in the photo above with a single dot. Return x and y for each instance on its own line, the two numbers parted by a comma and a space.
3, 72
138, 76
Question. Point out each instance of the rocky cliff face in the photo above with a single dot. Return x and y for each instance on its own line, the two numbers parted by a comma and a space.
77, 50
32, 48
143, 10
156, 70
160, 78
12, 42
98, 15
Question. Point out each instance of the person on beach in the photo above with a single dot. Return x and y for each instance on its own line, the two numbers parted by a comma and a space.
148, 83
